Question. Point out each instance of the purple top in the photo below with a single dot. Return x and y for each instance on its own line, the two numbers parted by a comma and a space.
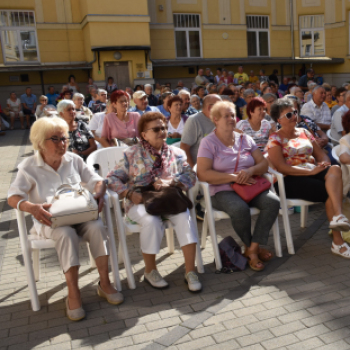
224, 158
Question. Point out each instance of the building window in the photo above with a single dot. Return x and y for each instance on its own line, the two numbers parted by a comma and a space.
18, 37
258, 36
187, 35
312, 36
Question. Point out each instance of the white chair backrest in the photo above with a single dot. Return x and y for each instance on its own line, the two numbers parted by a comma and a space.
335, 153
106, 158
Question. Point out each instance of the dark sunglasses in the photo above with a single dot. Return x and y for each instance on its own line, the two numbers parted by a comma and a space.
289, 115
58, 140
157, 129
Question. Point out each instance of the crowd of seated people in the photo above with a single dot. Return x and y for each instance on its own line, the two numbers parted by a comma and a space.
281, 125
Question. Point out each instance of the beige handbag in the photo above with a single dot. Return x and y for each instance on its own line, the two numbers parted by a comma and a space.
71, 206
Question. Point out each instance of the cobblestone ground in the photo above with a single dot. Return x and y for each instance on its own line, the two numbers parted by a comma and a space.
298, 302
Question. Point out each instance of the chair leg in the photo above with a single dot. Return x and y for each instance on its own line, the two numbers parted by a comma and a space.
169, 234
120, 254
277, 239
92, 260
205, 230
287, 229
303, 215
122, 242
36, 263
112, 246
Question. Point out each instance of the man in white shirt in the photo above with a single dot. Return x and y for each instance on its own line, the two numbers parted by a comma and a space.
200, 78
337, 127
317, 110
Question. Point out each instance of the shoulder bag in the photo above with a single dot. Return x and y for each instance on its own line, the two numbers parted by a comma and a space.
71, 206
249, 192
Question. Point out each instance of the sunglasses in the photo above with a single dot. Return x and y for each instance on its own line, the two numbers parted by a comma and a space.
58, 139
157, 129
289, 115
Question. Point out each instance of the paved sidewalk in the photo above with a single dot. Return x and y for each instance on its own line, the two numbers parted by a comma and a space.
297, 302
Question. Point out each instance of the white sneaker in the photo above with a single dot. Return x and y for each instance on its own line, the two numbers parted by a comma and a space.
193, 282
155, 279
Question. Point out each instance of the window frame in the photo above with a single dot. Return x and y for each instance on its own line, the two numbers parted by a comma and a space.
18, 30
187, 30
257, 30
312, 30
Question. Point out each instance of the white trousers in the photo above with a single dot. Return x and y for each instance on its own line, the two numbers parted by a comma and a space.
152, 228
67, 241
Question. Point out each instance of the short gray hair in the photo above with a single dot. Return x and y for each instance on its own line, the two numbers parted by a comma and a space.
317, 88
269, 95
43, 127
62, 106
311, 83
194, 96
78, 95
149, 85
292, 90
279, 106
99, 91
248, 92
183, 92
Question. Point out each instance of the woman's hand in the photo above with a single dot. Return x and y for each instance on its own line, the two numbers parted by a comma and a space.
136, 198
160, 183
317, 169
325, 164
245, 177
175, 135
40, 212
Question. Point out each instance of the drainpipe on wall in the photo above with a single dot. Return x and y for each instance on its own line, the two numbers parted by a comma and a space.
292, 32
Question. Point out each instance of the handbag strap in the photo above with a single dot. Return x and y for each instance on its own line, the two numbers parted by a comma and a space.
239, 152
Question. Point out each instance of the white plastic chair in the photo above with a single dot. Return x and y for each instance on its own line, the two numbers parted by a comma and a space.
212, 215
107, 159
333, 140
32, 244
335, 153
285, 202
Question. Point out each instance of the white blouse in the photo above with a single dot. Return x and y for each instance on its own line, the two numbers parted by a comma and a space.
96, 123
179, 129
37, 182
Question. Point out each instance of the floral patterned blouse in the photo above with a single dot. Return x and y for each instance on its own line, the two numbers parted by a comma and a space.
136, 169
298, 151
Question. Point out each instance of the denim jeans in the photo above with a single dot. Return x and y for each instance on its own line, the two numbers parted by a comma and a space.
239, 211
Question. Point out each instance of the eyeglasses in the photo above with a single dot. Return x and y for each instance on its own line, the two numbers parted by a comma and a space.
157, 129
289, 115
58, 139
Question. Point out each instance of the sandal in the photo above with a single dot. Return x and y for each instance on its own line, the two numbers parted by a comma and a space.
253, 262
336, 250
340, 223
264, 255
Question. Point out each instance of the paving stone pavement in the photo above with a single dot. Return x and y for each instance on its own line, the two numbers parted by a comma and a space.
297, 302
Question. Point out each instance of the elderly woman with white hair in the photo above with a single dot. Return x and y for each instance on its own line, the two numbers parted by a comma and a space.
308, 95
298, 93
81, 139
43, 109
37, 180
152, 100
196, 102
82, 113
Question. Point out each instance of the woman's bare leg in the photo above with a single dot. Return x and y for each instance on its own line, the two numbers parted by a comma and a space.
189, 252
74, 298
150, 262
102, 267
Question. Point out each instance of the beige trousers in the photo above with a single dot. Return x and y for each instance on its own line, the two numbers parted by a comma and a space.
13, 114
67, 241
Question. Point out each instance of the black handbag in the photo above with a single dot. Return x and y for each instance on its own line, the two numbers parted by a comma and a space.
168, 201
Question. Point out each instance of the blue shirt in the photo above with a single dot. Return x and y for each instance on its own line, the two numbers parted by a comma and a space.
52, 99
148, 109
163, 111
28, 100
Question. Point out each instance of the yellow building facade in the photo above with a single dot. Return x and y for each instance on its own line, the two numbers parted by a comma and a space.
140, 41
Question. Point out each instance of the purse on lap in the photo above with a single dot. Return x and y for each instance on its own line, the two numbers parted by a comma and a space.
249, 192
71, 206
168, 201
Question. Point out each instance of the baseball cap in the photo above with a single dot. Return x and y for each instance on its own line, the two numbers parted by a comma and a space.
139, 94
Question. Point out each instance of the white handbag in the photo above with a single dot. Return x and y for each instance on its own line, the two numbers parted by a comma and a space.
71, 206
